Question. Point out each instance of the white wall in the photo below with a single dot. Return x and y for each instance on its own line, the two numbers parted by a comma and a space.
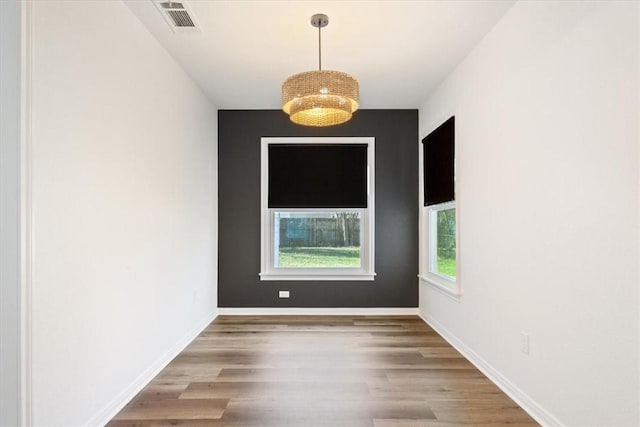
10, 242
124, 209
547, 128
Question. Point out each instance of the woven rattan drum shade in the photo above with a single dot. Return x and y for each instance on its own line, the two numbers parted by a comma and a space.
320, 98
323, 97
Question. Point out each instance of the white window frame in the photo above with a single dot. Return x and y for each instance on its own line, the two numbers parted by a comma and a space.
442, 282
268, 271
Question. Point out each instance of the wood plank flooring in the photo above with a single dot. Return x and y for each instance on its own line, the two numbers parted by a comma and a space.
356, 371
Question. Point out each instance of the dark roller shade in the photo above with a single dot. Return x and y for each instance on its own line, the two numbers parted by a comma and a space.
317, 175
439, 156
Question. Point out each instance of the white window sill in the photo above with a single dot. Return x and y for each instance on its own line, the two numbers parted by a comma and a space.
317, 277
442, 285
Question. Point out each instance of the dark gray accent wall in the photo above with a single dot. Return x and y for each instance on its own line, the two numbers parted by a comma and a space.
396, 212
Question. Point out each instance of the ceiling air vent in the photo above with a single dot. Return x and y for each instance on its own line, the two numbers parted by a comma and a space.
178, 15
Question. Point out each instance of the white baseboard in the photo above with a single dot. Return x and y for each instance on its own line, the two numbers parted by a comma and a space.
307, 311
112, 408
532, 407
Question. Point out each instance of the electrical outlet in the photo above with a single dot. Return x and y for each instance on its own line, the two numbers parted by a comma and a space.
525, 343
283, 294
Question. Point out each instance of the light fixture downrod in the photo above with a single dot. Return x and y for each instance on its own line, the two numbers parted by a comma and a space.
319, 20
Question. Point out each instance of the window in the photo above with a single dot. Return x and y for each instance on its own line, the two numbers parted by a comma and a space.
317, 209
317, 239
442, 240
440, 206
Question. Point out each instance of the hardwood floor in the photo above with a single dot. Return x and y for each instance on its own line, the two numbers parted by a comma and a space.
356, 371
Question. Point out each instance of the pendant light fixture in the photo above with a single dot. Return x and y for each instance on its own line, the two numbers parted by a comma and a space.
322, 97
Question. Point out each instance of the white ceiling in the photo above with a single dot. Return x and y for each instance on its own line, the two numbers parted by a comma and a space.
398, 50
